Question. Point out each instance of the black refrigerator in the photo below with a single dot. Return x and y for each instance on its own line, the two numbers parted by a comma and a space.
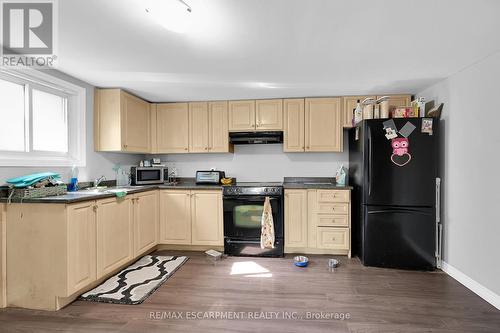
393, 168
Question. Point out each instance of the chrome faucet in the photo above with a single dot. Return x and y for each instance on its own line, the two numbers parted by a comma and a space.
99, 180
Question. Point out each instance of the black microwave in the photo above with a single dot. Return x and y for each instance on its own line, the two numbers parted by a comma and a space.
148, 175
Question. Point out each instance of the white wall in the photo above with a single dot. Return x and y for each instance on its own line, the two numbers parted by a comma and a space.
97, 163
261, 163
470, 171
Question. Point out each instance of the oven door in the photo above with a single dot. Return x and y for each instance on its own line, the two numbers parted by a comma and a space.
243, 215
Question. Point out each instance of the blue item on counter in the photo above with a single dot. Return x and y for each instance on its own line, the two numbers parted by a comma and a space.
28, 180
73, 185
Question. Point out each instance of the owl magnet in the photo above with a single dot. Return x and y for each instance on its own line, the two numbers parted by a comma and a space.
400, 154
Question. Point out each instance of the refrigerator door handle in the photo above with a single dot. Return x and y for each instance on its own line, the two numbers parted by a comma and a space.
439, 226
370, 158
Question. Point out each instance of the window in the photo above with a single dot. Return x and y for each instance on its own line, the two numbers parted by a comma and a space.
42, 120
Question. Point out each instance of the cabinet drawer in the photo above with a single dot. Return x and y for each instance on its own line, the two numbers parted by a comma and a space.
333, 196
333, 238
328, 220
333, 208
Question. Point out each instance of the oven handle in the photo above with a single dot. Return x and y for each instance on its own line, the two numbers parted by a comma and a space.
241, 242
250, 198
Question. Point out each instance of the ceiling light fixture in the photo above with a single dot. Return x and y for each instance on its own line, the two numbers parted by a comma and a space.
173, 15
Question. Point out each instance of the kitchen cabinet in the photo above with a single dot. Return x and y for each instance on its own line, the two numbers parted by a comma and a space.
172, 128
269, 115
175, 217
146, 221
398, 100
122, 122
206, 218
349, 104
295, 219
208, 128
198, 127
318, 221
218, 130
3, 257
191, 217
82, 233
115, 245
323, 125
294, 127
241, 116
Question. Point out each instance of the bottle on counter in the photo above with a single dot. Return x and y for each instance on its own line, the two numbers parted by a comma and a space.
358, 113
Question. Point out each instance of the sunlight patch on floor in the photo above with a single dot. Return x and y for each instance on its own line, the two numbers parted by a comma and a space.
249, 269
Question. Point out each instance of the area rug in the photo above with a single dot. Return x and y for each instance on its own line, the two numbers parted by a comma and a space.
135, 283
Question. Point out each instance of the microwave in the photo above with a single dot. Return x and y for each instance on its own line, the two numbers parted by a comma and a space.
148, 175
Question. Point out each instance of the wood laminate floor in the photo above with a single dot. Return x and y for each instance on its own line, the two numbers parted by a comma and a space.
370, 299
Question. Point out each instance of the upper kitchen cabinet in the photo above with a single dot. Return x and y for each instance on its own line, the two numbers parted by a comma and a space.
269, 115
294, 125
323, 125
208, 127
218, 131
349, 104
198, 127
122, 122
241, 116
172, 128
398, 100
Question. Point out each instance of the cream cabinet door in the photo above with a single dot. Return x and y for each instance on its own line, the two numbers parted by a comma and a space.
206, 218
172, 120
295, 218
175, 217
323, 129
241, 116
146, 221
218, 134
269, 114
349, 104
3, 256
396, 101
294, 125
115, 244
81, 246
136, 124
198, 127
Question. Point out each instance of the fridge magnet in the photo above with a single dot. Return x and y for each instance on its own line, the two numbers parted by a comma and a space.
400, 154
407, 129
389, 124
390, 133
356, 134
427, 126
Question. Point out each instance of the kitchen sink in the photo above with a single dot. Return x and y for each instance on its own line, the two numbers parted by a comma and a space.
319, 184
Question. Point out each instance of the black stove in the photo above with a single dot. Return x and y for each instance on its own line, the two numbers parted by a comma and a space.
251, 188
243, 206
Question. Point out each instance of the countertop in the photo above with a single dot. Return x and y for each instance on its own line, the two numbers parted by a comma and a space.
183, 184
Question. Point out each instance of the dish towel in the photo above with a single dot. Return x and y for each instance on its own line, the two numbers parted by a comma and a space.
267, 226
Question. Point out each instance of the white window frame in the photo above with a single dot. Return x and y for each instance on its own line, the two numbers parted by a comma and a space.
76, 109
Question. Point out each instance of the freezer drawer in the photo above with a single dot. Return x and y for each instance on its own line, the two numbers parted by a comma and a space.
399, 237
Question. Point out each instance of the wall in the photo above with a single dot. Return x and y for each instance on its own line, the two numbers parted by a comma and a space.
261, 163
470, 172
97, 163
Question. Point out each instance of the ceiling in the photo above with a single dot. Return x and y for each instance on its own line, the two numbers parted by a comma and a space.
237, 49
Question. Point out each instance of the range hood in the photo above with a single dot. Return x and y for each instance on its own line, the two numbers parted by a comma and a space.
253, 138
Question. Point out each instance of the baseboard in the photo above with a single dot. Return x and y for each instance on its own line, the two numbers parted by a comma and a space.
480, 290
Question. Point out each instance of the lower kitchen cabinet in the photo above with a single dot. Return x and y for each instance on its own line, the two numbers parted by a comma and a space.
175, 217
82, 235
115, 244
317, 221
191, 217
3, 257
295, 218
206, 218
146, 221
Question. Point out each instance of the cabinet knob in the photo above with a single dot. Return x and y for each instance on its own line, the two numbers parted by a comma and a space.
206, 148
125, 146
185, 148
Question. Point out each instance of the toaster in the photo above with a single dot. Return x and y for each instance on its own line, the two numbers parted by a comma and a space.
211, 177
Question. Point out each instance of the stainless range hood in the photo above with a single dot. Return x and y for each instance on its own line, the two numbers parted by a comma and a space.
253, 138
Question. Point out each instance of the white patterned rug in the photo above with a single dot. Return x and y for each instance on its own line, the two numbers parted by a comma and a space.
136, 282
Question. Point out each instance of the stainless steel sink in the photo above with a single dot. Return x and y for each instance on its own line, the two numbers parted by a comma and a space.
318, 184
